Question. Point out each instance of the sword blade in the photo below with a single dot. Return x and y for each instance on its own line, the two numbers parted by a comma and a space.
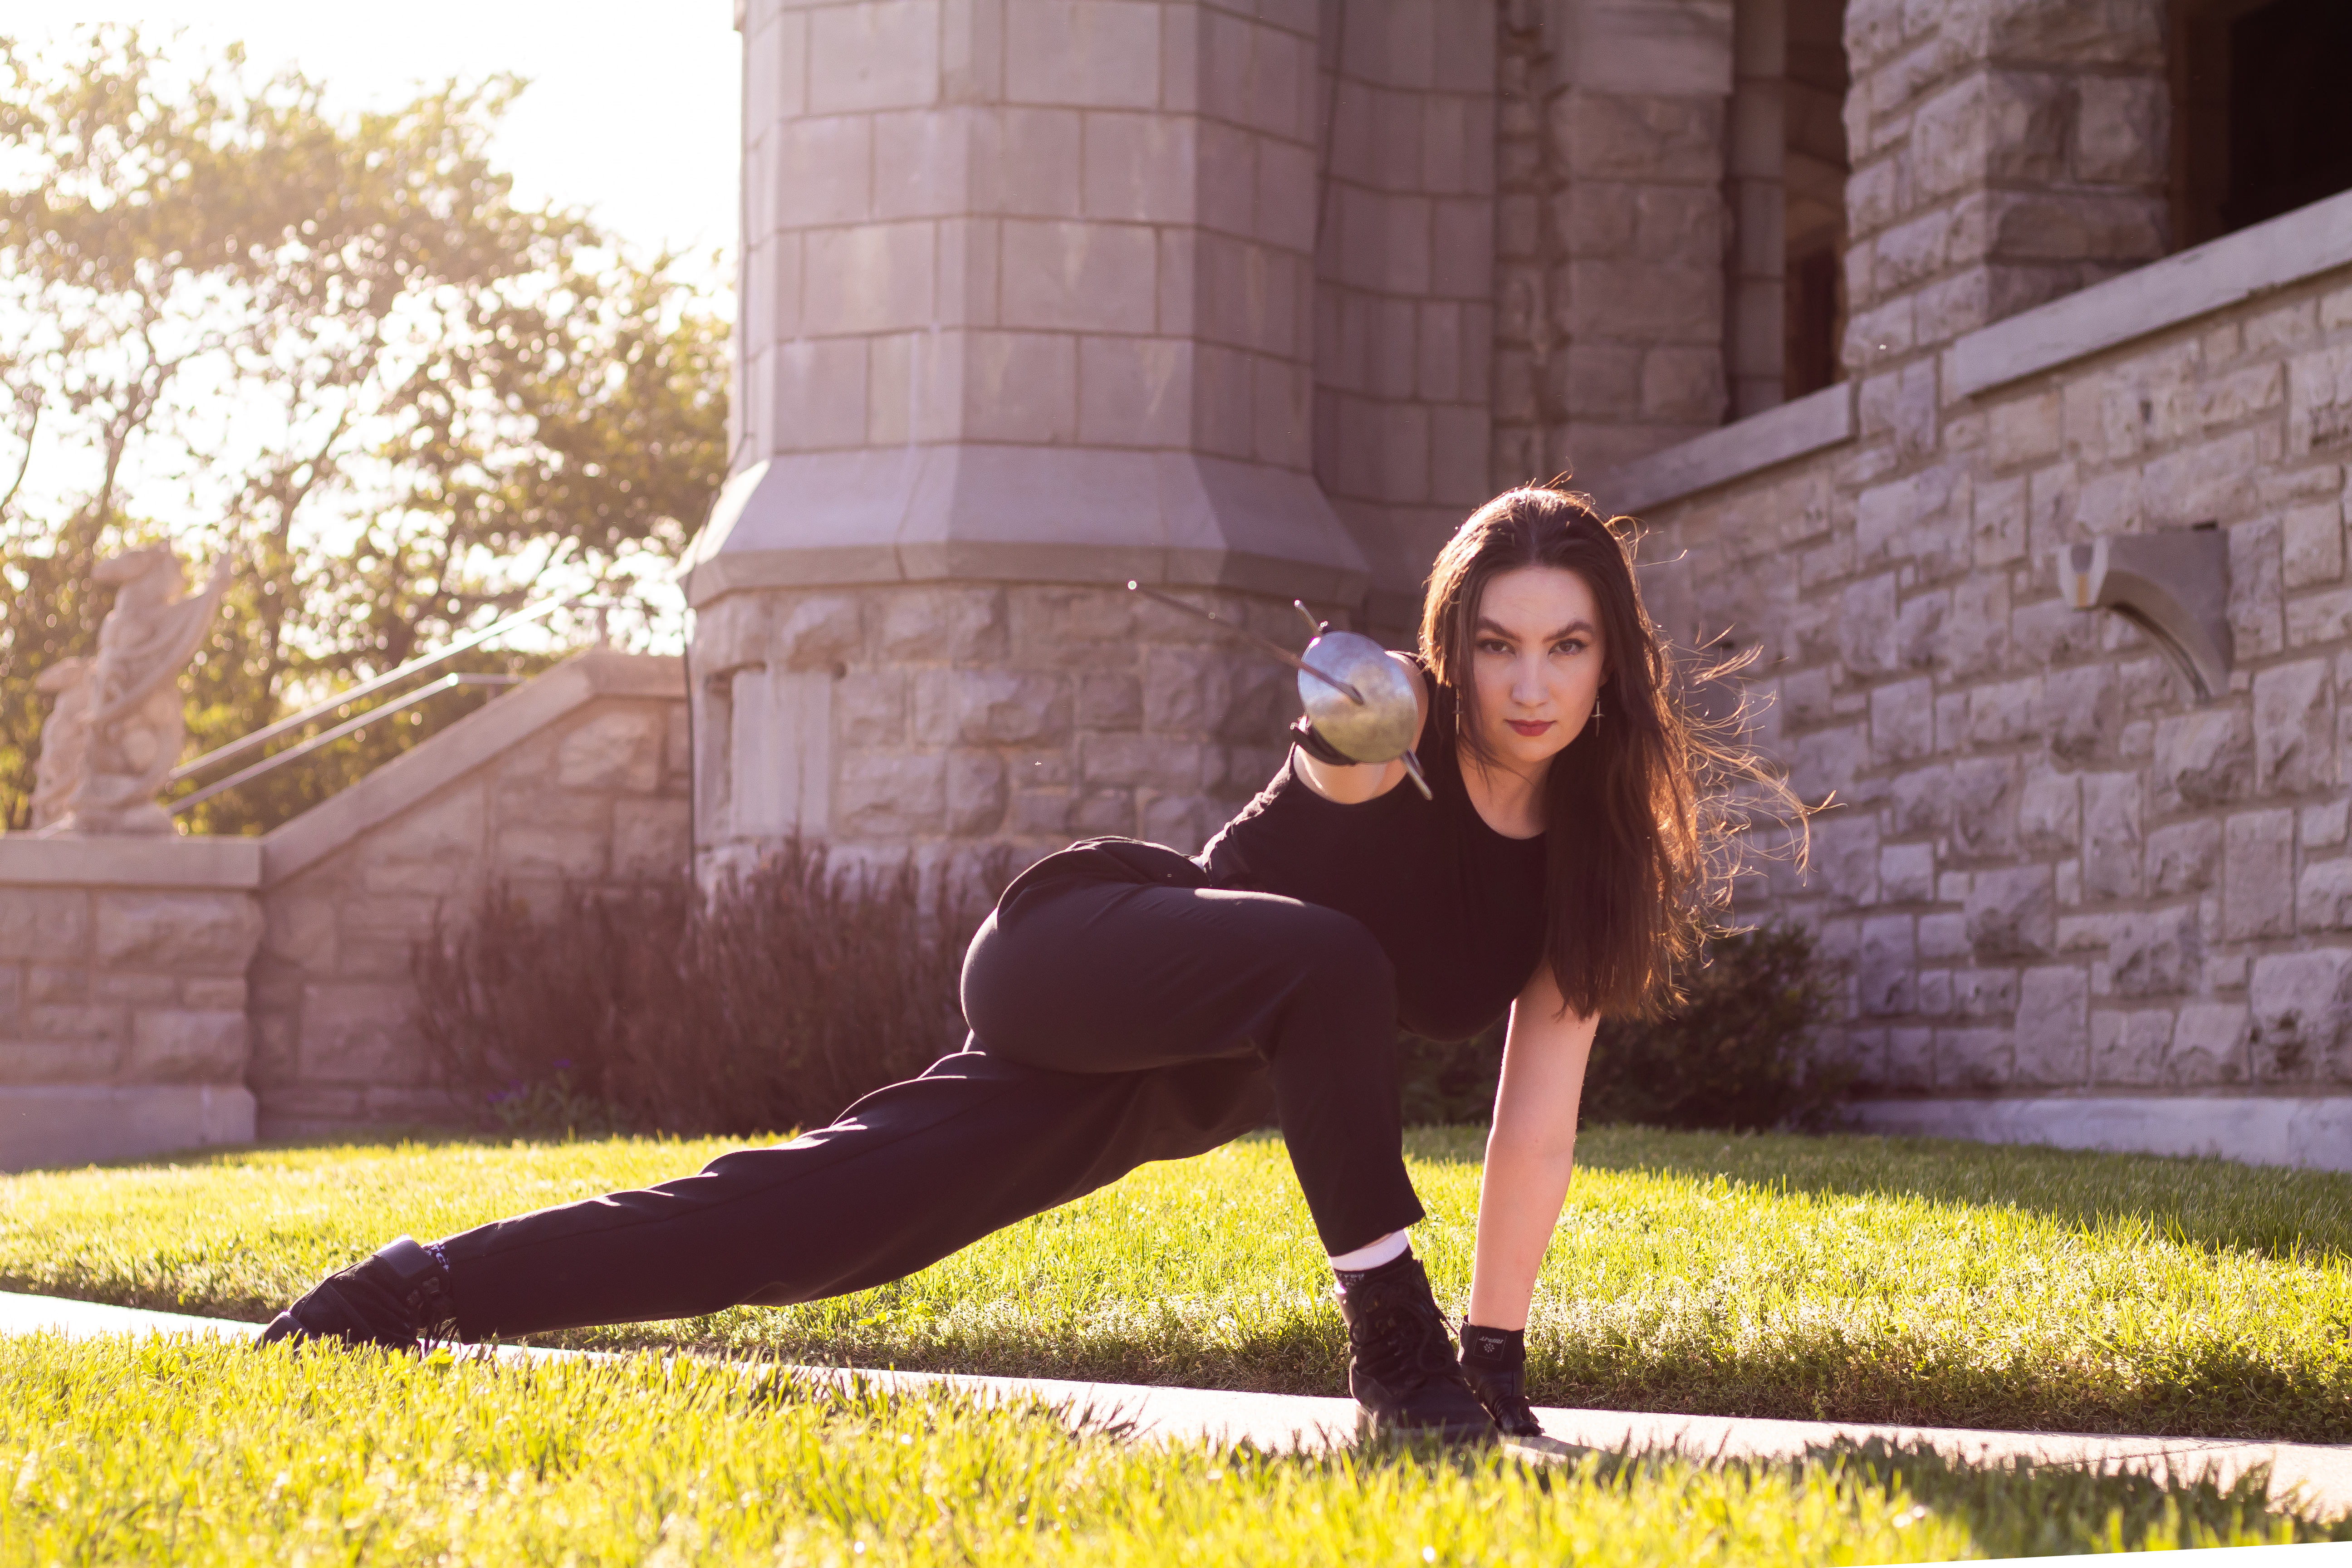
1413, 771
1267, 644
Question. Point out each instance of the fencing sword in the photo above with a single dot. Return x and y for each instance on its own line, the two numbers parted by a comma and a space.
1357, 697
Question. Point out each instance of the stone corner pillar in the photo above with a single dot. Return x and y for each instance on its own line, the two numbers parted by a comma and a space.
1631, 343
2003, 155
1026, 311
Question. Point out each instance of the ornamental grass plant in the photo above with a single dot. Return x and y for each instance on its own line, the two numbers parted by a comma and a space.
198, 1453
1842, 1278
772, 1000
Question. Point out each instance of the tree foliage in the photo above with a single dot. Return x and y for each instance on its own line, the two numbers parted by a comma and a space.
335, 347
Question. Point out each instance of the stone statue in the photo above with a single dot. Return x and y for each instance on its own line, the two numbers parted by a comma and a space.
65, 740
116, 730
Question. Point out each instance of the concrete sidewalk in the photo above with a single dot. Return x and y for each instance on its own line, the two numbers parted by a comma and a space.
2319, 1476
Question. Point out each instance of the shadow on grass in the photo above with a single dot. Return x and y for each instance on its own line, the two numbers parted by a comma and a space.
2009, 1508
1296, 1356
2016, 1508
2276, 1211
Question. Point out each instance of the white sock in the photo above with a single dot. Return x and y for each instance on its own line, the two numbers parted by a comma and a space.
1387, 1249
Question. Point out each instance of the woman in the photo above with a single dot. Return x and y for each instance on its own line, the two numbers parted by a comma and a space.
1128, 1003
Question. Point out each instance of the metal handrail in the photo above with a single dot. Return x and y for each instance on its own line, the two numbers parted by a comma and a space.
376, 683
246, 775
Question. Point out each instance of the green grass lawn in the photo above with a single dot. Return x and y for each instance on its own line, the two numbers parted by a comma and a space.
1846, 1277
172, 1451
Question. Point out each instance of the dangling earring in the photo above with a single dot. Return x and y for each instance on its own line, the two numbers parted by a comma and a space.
1596, 714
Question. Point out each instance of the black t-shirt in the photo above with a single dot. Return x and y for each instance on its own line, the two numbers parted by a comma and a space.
1457, 907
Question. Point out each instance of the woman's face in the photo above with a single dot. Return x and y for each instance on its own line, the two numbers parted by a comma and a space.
1539, 661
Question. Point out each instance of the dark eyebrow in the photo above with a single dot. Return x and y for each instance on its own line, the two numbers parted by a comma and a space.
1576, 626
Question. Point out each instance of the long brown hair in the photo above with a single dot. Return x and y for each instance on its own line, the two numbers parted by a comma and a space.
1629, 870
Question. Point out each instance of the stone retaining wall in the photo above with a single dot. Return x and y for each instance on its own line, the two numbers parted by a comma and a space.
163, 993
122, 996
577, 778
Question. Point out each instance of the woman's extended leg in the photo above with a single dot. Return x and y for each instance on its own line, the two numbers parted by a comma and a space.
901, 1179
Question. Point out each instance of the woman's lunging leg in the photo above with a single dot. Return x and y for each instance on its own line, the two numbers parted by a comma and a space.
1147, 975
1100, 974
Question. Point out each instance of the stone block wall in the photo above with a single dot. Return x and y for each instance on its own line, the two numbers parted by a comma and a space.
1610, 231
1404, 281
2051, 868
1029, 310
122, 996
2004, 153
938, 721
578, 778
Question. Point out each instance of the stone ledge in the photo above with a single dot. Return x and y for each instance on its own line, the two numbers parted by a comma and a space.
1023, 514
499, 726
159, 862
1811, 423
2312, 1131
78, 1124
2221, 273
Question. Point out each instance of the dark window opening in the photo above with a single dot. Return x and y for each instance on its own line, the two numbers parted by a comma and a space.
2262, 120
1814, 322
1813, 275
1785, 169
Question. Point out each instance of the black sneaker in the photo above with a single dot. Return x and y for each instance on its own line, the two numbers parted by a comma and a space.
1401, 1363
1495, 1366
392, 1299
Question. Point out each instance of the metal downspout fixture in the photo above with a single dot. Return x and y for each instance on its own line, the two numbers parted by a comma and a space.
2173, 584
1357, 697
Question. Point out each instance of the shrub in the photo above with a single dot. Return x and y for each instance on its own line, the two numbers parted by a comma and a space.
1732, 1054
770, 1003
1447, 1083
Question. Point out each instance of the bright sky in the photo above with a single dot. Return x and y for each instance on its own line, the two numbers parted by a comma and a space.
634, 109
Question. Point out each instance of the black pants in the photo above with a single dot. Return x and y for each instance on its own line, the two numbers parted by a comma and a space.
1120, 1012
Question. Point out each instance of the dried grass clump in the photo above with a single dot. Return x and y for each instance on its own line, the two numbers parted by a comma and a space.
770, 1003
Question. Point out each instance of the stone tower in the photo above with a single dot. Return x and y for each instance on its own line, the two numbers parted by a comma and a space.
1029, 307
